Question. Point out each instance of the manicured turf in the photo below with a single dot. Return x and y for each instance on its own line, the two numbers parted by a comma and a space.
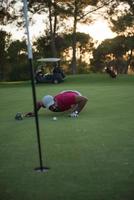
91, 157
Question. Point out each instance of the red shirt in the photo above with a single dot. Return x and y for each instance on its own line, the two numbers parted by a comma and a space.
65, 100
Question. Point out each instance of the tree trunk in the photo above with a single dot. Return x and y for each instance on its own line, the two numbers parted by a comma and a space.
129, 59
73, 63
52, 31
121, 66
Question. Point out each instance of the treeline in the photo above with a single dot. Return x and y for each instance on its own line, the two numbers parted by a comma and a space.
77, 51
116, 52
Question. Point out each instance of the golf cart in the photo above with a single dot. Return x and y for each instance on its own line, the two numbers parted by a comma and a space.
55, 75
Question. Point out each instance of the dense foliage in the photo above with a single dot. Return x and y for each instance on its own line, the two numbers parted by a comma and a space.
74, 48
117, 52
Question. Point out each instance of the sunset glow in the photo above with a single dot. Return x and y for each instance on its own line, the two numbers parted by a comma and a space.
99, 30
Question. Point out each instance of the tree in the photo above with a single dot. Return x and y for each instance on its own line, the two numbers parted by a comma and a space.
75, 9
84, 44
123, 24
63, 9
7, 11
60, 10
115, 52
4, 41
7, 15
120, 15
54, 12
18, 63
15, 50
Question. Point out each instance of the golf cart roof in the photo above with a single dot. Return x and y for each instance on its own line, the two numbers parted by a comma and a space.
48, 60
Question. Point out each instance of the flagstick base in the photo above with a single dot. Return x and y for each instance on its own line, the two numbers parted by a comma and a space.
42, 169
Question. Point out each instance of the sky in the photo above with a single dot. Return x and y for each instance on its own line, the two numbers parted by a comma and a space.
99, 30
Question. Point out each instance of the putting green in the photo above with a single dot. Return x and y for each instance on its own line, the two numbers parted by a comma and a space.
90, 157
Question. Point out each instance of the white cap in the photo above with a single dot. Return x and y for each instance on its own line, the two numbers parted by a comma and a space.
48, 101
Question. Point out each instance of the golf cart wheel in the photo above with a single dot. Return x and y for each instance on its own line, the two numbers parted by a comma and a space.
55, 81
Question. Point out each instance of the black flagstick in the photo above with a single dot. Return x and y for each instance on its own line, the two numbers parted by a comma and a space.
41, 168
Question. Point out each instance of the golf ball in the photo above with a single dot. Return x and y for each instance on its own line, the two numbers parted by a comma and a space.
54, 118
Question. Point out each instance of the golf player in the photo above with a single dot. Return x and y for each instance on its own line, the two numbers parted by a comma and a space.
69, 100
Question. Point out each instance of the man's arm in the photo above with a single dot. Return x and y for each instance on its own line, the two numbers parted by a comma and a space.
39, 104
80, 103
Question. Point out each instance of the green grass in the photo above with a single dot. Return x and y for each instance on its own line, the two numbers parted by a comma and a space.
91, 157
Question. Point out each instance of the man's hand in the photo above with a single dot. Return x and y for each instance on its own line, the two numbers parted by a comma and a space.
30, 114
80, 103
74, 114
39, 104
